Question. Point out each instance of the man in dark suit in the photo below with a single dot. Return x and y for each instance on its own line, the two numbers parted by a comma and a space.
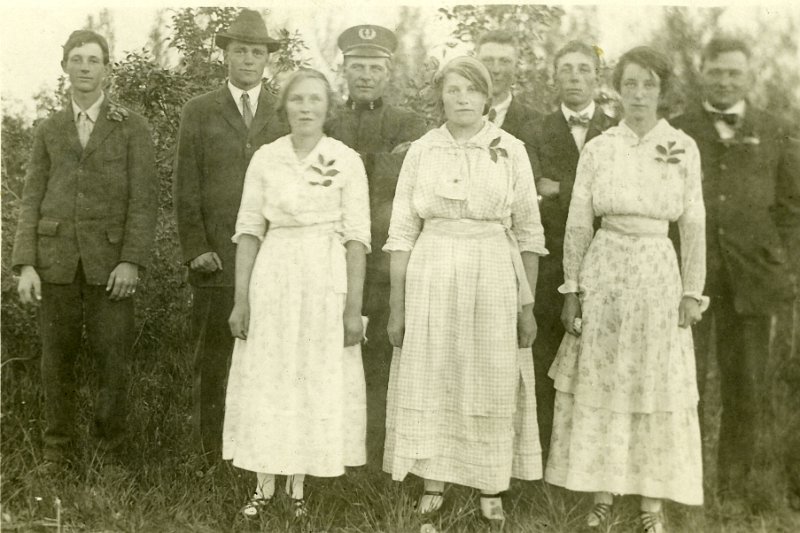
751, 187
497, 50
381, 133
86, 228
560, 138
219, 133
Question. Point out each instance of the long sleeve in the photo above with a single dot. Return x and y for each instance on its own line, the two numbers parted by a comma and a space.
692, 227
35, 186
787, 195
406, 223
355, 204
525, 220
580, 221
140, 222
250, 220
187, 194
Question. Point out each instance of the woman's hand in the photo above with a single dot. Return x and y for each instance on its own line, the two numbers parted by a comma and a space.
526, 327
396, 327
353, 329
571, 311
239, 320
689, 312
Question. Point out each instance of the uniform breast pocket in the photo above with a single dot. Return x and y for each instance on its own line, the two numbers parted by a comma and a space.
114, 160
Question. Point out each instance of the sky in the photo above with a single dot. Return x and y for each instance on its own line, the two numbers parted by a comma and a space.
31, 34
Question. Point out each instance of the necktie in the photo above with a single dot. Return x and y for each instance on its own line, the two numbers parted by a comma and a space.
247, 113
578, 120
84, 128
731, 119
492, 115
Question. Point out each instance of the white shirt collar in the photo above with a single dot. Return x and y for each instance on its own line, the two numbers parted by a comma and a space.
503, 106
93, 112
737, 109
587, 111
252, 93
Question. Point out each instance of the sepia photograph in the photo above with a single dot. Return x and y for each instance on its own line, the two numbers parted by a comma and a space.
400, 267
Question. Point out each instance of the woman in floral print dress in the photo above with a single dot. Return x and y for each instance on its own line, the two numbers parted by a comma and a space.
626, 404
465, 237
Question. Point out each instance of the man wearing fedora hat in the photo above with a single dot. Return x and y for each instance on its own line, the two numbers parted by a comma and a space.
219, 132
380, 133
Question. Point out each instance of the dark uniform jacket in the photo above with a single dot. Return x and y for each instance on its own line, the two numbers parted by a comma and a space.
214, 149
95, 205
374, 133
751, 188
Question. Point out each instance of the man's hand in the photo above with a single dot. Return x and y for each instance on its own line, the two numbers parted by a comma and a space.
29, 286
122, 281
547, 188
207, 263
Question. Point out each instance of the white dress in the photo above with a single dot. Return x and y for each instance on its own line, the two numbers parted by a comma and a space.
296, 399
461, 406
625, 417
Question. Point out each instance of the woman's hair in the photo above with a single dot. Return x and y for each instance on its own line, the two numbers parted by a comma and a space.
649, 59
468, 68
295, 78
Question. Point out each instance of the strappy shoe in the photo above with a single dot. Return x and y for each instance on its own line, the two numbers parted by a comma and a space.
651, 522
492, 512
598, 514
431, 508
255, 506
298, 505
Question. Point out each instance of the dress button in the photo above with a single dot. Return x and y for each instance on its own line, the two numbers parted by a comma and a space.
722, 198
721, 231
723, 166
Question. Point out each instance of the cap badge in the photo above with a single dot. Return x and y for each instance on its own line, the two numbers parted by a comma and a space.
367, 34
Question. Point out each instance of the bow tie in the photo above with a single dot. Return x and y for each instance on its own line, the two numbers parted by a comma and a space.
364, 106
731, 119
578, 120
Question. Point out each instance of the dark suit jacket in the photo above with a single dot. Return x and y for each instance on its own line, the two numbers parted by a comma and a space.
374, 134
95, 205
522, 122
751, 188
214, 149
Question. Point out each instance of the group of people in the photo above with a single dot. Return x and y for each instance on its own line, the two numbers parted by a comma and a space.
530, 302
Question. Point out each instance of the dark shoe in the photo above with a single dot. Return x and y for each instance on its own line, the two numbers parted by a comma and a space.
255, 506
598, 515
651, 522
299, 507
436, 502
492, 510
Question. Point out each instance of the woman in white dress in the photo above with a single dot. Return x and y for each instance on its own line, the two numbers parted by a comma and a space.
465, 239
626, 401
295, 401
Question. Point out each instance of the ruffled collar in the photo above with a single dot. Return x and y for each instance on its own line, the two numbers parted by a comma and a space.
660, 131
484, 138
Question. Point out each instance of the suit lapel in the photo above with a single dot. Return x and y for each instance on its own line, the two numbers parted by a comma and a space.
510, 120
597, 124
100, 131
228, 109
564, 134
66, 122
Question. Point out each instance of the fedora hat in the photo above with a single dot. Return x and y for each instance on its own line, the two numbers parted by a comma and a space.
248, 27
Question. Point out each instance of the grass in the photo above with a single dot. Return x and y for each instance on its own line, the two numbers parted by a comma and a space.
162, 485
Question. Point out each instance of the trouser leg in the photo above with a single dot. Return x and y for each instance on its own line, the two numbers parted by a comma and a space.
377, 361
110, 328
213, 345
61, 316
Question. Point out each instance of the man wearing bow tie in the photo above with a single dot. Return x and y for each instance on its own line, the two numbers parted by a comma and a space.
560, 139
498, 51
219, 132
86, 227
381, 133
751, 187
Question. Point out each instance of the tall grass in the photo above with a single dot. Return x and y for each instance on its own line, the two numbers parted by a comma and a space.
161, 484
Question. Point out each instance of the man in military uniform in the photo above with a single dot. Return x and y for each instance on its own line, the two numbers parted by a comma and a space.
380, 133
561, 138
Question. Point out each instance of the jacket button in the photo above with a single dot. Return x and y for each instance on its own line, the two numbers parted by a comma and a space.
80, 195
723, 166
722, 198
249, 145
721, 231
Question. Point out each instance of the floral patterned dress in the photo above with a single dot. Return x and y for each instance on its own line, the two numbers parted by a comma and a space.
461, 406
625, 416
296, 398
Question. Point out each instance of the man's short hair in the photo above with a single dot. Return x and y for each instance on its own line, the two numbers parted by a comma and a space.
499, 37
581, 48
81, 37
721, 44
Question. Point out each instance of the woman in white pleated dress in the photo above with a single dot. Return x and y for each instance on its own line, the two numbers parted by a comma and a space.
296, 401
465, 239
625, 419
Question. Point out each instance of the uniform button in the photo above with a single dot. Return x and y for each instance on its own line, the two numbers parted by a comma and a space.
721, 231
80, 195
722, 198
249, 145
723, 166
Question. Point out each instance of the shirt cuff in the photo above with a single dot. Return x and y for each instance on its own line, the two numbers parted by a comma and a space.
704, 301
569, 287
238, 235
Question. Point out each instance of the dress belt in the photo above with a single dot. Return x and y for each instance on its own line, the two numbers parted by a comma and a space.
466, 228
337, 254
635, 226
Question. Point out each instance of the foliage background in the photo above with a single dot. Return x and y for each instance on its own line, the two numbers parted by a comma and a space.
165, 487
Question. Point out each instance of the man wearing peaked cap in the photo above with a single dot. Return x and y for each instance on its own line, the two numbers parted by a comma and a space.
381, 133
219, 132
